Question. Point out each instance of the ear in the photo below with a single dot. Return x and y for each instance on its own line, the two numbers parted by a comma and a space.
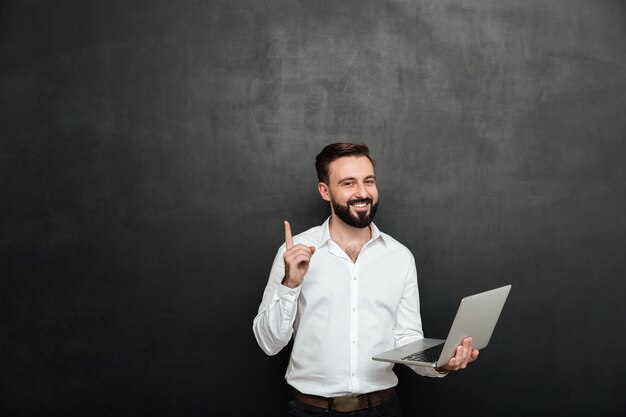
323, 190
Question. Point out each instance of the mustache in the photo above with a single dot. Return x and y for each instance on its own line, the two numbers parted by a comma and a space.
361, 200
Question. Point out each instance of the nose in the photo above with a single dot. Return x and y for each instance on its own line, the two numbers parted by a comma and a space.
361, 192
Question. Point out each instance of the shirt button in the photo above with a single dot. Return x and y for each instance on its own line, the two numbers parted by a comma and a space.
353, 342
353, 310
354, 278
352, 373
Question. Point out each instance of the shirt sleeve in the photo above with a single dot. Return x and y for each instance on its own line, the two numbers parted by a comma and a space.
408, 319
273, 325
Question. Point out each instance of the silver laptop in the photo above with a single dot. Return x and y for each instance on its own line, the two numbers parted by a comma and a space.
476, 317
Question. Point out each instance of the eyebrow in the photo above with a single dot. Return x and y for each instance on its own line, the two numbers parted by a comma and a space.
369, 177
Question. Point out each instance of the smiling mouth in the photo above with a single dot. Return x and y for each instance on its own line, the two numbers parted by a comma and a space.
359, 204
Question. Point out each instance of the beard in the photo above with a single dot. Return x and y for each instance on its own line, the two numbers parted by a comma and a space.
361, 219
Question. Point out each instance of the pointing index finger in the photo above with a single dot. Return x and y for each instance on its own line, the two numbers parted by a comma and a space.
288, 236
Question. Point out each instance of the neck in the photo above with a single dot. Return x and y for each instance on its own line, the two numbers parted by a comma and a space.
344, 233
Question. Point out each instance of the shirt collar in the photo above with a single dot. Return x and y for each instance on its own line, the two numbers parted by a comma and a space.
325, 236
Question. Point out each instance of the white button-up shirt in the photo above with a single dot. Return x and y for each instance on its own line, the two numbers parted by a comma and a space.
342, 314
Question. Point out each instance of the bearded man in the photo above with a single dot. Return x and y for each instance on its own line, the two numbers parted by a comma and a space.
344, 291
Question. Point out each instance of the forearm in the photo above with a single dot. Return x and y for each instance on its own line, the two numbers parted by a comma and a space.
409, 322
273, 326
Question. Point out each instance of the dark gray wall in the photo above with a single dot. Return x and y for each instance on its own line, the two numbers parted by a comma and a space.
150, 151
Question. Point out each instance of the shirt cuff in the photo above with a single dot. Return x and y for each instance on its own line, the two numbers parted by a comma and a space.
286, 293
427, 371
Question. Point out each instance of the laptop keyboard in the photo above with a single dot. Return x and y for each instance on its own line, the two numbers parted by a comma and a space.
429, 355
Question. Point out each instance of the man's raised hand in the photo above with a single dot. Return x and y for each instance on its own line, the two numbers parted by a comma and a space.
297, 259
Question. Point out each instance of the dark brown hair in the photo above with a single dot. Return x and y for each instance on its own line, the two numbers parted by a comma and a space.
335, 151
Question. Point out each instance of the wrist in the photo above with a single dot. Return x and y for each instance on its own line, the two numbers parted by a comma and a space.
289, 284
441, 371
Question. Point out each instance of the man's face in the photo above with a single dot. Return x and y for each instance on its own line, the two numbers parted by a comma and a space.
351, 190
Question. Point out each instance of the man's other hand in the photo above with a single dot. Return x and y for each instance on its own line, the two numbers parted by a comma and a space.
465, 353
